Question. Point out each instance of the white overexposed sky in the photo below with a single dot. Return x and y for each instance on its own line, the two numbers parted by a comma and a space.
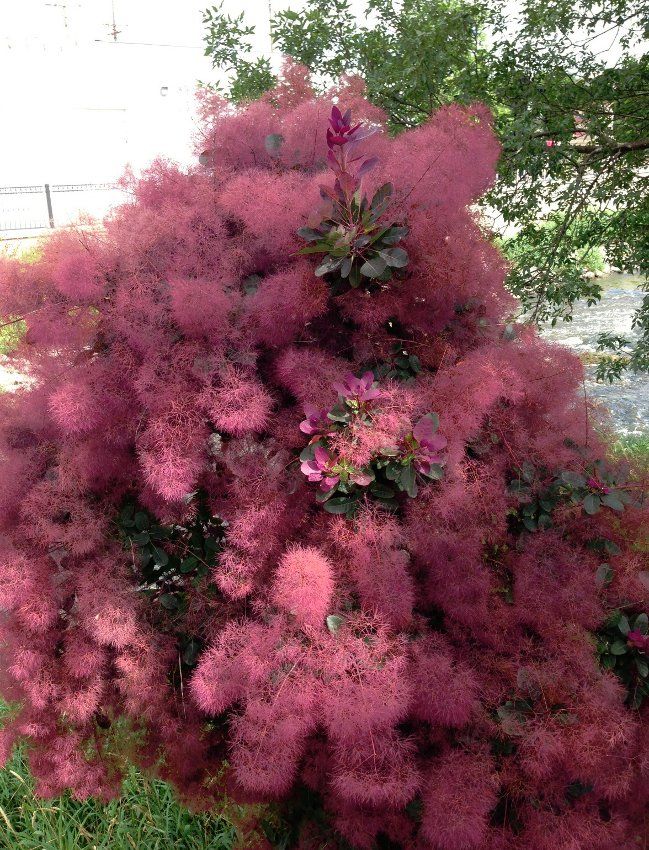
79, 103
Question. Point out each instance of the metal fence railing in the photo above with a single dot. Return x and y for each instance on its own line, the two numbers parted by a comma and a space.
49, 205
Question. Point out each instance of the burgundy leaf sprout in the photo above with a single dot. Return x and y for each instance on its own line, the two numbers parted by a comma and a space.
359, 247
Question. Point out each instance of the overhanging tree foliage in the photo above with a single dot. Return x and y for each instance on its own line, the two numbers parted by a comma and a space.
574, 127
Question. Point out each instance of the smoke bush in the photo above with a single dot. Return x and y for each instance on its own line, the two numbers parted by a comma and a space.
292, 513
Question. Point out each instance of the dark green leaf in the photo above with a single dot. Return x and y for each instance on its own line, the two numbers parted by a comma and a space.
393, 235
319, 248
127, 513
142, 538
355, 276
573, 479
308, 452
339, 413
641, 623
604, 574
396, 258
528, 471
170, 601
381, 197
144, 557
518, 487
385, 276
380, 491
160, 556
374, 267
210, 545
328, 265
611, 547
393, 471
323, 496
389, 451
642, 667
310, 234
435, 473
340, 505
189, 564
191, 651
251, 284
623, 624
273, 143
578, 789
407, 481
334, 622
591, 503
611, 500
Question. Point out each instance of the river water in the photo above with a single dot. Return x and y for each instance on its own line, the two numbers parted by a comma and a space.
628, 398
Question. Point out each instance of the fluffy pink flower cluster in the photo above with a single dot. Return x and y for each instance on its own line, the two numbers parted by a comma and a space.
425, 676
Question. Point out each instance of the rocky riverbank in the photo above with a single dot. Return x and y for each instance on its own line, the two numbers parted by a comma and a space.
627, 399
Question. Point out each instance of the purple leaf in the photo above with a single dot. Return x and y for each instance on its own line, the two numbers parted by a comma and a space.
333, 162
426, 427
358, 135
368, 165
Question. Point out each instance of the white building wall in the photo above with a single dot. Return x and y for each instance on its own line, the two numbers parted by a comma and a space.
80, 103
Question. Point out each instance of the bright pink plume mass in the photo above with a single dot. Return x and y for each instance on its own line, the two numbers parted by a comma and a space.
403, 651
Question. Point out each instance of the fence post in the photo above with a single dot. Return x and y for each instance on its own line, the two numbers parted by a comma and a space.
48, 198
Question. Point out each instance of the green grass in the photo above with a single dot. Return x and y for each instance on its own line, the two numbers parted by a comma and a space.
26, 250
633, 447
10, 334
146, 817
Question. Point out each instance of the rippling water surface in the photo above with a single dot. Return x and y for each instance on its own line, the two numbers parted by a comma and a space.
628, 398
